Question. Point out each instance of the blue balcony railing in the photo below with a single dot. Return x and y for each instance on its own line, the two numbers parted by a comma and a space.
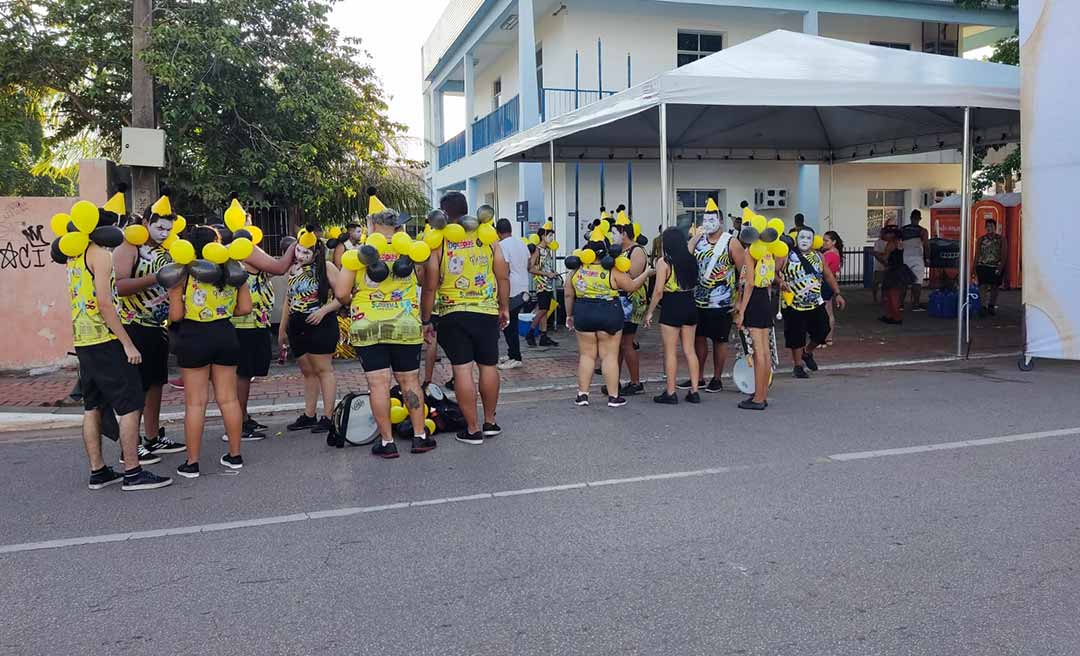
452, 150
556, 102
496, 126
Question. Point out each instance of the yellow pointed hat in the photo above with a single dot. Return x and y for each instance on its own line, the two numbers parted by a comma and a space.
117, 204
604, 215
162, 206
374, 204
622, 219
711, 207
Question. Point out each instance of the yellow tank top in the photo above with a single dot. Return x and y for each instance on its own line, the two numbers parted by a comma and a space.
468, 278
86, 322
594, 281
262, 302
765, 271
387, 312
672, 283
204, 302
150, 307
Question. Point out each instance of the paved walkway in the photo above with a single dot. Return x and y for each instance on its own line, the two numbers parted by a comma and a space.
860, 338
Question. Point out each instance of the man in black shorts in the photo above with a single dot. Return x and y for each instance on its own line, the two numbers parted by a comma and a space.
471, 282
804, 272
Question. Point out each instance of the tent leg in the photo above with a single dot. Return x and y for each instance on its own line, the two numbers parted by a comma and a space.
965, 221
664, 219
551, 153
495, 176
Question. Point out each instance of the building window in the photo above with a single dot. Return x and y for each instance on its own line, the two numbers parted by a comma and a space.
941, 39
692, 46
496, 93
883, 207
690, 204
540, 71
893, 45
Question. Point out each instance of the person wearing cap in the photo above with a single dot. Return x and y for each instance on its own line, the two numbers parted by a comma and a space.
542, 268
470, 280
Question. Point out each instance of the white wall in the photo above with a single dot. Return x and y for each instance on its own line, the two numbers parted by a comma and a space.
861, 30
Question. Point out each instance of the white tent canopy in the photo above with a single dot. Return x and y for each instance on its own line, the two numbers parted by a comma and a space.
796, 96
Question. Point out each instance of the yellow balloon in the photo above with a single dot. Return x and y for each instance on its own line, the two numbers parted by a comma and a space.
747, 215
394, 402
818, 243
256, 233
429, 424
553, 245
58, 224
759, 222
169, 241
241, 249
181, 251
454, 232
216, 253
74, 244
351, 261
534, 239
487, 234
588, 256
433, 239
334, 232
235, 218
605, 226
378, 241
178, 225
548, 226
401, 242
576, 253
777, 225
758, 250
84, 215
779, 249
622, 263
136, 235
419, 251
307, 239
637, 230
398, 414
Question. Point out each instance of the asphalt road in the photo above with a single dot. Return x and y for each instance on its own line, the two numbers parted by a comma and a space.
643, 530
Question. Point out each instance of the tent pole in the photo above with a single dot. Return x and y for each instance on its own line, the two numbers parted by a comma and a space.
551, 153
663, 167
495, 175
965, 221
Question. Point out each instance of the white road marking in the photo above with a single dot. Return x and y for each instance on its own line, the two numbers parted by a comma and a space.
486, 496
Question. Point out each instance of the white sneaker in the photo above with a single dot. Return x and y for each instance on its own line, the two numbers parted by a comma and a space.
509, 364
503, 358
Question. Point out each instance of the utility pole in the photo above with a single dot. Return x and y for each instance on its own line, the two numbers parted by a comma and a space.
144, 180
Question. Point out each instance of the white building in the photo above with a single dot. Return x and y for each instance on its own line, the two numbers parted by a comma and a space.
519, 62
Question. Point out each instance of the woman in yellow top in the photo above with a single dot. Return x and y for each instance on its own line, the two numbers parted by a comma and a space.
386, 332
207, 351
755, 311
593, 311
676, 278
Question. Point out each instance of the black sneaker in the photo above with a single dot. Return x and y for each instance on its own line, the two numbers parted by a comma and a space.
637, 347
581, 399
530, 339
423, 444
385, 451
751, 404
992, 310
800, 372
449, 385
162, 444
693, 397
603, 390
685, 384
103, 478
714, 385
247, 436
615, 401
469, 438
253, 425
232, 462
808, 359
631, 389
324, 426
665, 398
302, 422
491, 430
547, 341
144, 480
188, 470
145, 457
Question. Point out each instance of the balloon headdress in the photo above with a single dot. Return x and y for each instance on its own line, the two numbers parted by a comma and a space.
373, 258
214, 253
763, 236
86, 223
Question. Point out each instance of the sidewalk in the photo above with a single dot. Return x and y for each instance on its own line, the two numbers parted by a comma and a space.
859, 339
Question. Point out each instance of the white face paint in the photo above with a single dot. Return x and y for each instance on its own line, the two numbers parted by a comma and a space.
304, 255
159, 229
711, 223
805, 240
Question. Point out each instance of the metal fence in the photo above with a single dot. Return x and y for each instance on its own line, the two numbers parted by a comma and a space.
496, 126
854, 265
556, 102
452, 150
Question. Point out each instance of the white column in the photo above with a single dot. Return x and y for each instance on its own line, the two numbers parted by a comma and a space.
437, 137
470, 96
470, 193
528, 95
810, 22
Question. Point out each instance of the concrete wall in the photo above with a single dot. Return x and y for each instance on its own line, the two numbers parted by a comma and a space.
33, 290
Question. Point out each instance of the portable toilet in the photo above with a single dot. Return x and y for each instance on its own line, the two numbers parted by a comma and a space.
1005, 209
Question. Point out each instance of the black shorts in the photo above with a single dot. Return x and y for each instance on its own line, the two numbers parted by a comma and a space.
304, 338
256, 345
629, 328
678, 309
203, 343
106, 378
400, 358
800, 323
987, 275
594, 315
153, 344
759, 309
543, 300
468, 337
714, 323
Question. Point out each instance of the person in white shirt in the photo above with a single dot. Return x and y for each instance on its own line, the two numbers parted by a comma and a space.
517, 256
916, 242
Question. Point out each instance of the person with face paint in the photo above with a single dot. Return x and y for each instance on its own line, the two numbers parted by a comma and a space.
207, 351
310, 327
676, 278
144, 311
719, 256
804, 271
542, 268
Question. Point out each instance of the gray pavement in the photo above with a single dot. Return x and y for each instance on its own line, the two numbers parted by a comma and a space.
758, 542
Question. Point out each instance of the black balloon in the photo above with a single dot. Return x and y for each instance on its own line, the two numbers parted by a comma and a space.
170, 275
223, 232
107, 236
437, 219
614, 250
369, 255
572, 262
769, 235
642, 240
235, 274
378, 272
403, 267
242, 232
106, 218
71, 227
57, 255
748, 234
286, 242
788, 240
332, 243
607, 262
532, 248
205, 271
470, 222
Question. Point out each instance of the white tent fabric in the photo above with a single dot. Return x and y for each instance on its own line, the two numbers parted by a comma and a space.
790, 96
